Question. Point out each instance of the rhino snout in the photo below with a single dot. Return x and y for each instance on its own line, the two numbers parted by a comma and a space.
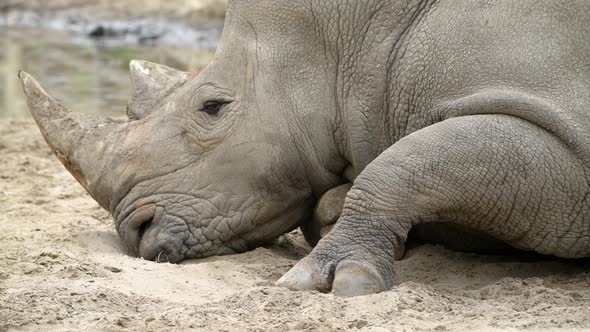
143, 235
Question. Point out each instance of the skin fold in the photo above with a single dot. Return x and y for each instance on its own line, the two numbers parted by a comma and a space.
472, 114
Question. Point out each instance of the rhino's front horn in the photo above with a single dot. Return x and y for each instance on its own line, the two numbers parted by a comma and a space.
150, 83
83, 143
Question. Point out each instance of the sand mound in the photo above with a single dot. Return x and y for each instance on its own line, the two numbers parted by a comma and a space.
62, 267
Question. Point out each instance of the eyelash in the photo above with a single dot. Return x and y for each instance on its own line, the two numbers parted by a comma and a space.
212, 107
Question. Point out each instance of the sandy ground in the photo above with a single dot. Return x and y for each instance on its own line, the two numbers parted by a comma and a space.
63, 268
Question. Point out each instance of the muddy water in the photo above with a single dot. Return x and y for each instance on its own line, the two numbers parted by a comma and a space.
85, 75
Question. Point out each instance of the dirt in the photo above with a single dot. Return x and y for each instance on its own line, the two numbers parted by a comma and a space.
62, 268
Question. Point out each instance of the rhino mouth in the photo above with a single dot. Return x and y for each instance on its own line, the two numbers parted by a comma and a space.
160, 228
174, 227
151, 234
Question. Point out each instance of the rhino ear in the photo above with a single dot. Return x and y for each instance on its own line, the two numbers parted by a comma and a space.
150, 83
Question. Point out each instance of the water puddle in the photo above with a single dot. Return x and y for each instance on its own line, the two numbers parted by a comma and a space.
89, 77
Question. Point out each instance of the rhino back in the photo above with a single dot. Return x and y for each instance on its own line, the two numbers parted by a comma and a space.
530, 59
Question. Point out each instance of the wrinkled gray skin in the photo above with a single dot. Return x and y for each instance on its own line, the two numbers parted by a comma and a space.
466, 112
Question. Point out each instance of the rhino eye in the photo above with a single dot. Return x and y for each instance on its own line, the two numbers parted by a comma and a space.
212, 107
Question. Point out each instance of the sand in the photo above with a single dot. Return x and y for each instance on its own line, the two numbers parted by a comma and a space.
62, 268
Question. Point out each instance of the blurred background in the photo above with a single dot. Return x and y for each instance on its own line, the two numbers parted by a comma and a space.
80, 49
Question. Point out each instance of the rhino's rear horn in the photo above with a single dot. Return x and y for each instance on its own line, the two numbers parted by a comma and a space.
150, 83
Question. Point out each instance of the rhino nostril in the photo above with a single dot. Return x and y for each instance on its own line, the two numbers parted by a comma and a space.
142, 228
143, 238
138, 224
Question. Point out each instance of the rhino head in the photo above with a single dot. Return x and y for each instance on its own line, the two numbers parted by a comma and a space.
214, 163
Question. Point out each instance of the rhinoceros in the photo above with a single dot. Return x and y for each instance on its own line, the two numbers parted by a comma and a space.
464, 112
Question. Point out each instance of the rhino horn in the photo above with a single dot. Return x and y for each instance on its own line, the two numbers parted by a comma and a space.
150, 83
83, 143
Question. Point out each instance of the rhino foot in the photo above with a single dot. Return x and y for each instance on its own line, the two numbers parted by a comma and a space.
344, 274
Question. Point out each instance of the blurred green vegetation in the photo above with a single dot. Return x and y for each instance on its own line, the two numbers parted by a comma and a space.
125, 54
85, 77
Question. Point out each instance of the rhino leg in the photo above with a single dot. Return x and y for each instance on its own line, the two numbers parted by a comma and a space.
496, 174
326, 214
452, 236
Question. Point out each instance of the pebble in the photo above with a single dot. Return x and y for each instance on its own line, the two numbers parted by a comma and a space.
113, 269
